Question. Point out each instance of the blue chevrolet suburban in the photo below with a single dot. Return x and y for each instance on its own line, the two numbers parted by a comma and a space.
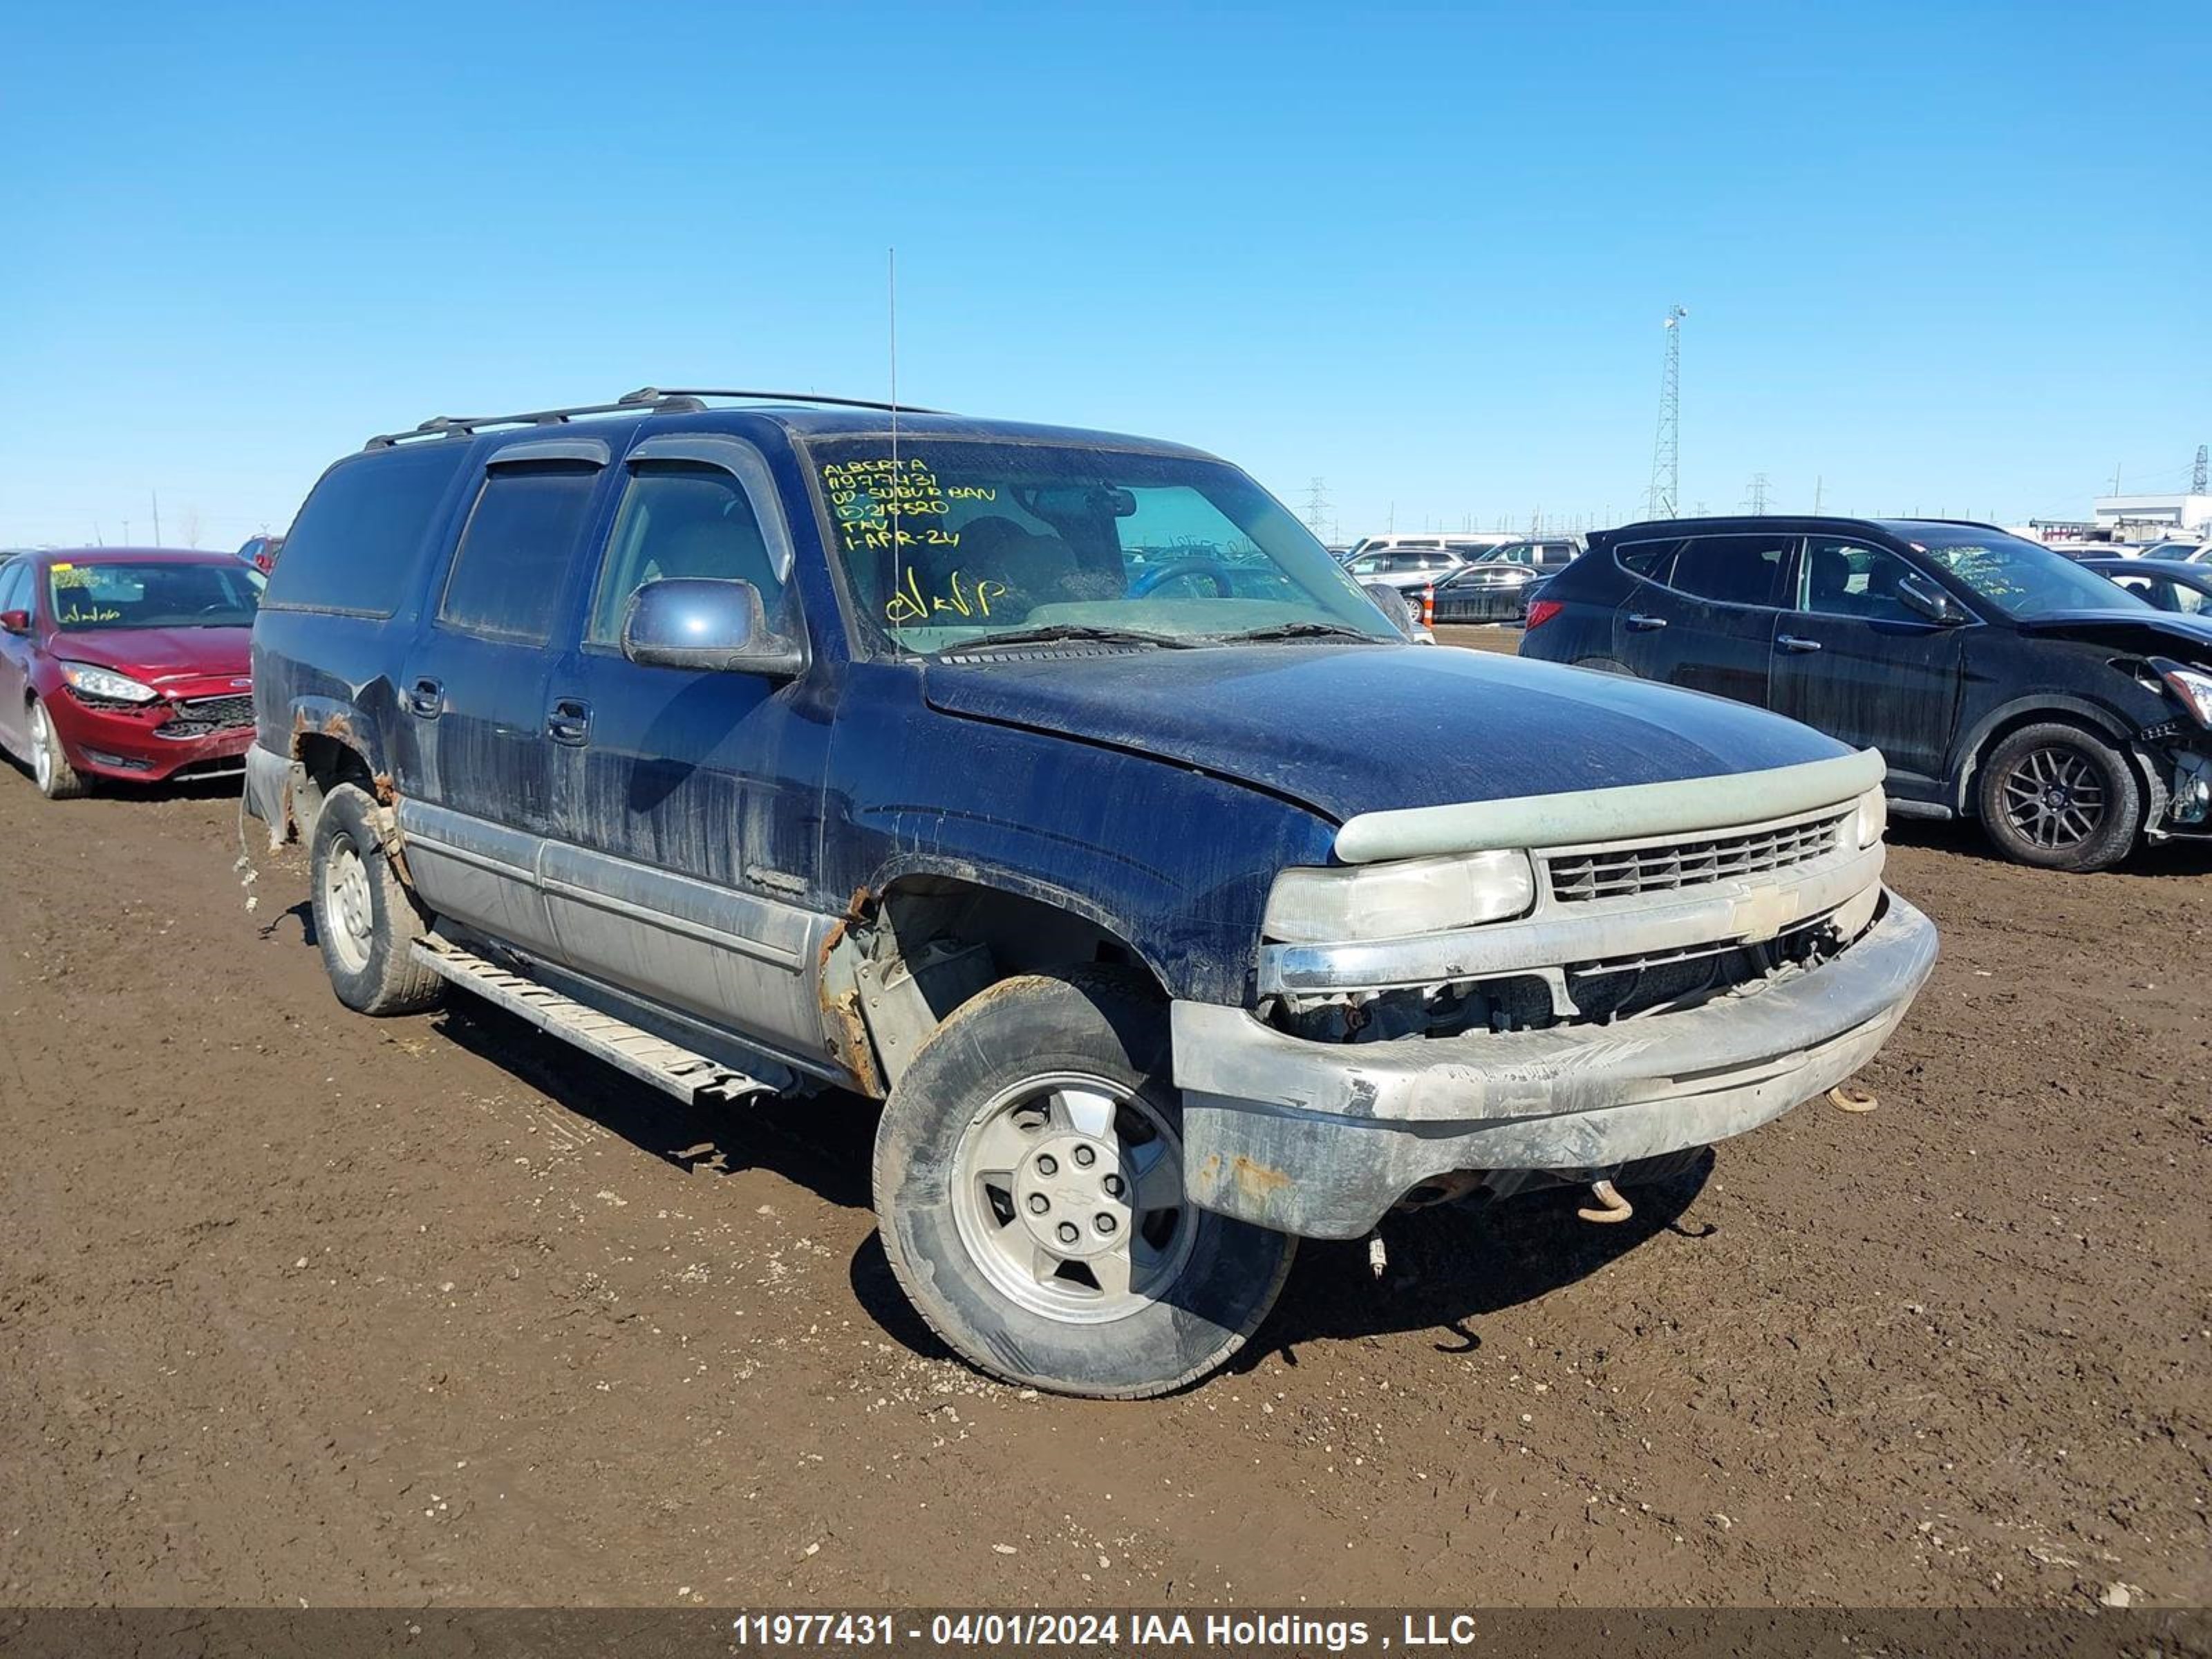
1028, 780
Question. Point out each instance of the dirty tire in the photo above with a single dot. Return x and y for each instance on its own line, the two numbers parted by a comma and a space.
366, 921
49, 765
2080, 769
1211, 1286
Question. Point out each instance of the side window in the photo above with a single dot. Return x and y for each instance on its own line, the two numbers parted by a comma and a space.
681, 518
1850, 578
1732, 570
356, 546
521, 537
2162, 592
1367, 564
15, 587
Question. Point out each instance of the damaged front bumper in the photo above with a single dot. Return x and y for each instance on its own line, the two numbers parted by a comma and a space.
1319, 1140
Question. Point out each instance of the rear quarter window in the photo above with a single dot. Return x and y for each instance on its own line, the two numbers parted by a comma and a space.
1654, 560
359, 538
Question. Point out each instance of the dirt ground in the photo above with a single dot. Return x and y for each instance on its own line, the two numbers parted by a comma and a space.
303, 1308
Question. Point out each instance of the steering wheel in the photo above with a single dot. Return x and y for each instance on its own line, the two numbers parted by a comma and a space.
1167, 572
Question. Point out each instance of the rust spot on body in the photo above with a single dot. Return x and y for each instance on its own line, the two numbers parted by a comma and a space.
848, 1040
1258, 1182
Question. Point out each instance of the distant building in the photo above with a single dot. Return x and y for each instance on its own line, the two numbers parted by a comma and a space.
2160, 514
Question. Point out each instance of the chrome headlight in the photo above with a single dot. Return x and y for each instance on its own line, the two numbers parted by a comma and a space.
1871, 819
1406, 895
97, 682
2192, 688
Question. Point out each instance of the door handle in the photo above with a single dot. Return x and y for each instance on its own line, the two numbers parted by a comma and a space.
569, 721
1646, 624
1792, 642
425, 698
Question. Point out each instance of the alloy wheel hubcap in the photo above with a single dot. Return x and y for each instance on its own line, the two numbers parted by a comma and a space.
2054, 799
42, 747
1068, 1195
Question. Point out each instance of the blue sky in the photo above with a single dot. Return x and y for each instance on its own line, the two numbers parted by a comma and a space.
1948, 259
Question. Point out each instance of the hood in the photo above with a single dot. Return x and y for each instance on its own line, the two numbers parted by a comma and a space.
1351, 729
2146, 633
158, 654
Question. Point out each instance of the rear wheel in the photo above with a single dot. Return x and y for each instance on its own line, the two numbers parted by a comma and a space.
1030, 1195
2054, 796
366, 921
49, 765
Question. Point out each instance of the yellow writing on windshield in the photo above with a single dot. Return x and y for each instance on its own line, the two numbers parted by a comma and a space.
963, 598
78, 617
869, 499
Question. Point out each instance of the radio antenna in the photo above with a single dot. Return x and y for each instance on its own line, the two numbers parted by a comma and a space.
898, 480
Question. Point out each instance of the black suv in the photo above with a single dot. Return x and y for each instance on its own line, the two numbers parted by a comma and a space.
2001, 681
1026, 780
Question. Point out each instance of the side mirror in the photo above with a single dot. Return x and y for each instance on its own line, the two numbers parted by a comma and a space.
14, 621
1393, 605
1920, 594
689, 622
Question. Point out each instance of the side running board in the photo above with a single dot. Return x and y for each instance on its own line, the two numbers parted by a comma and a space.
689, 1077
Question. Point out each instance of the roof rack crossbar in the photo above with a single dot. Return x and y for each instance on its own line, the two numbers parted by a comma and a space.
467, 426
646, 394
644, 399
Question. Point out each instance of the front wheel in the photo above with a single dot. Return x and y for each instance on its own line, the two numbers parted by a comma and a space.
366, 923
1030, 1195
2054, 796
50, 763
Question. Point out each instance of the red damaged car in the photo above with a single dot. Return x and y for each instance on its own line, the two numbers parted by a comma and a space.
125, 663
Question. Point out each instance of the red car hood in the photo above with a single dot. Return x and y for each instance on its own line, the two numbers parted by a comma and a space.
158, 654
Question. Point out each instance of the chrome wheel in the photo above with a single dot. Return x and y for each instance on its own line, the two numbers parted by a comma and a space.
2054, 799
1068, 1194
42, 746
349, 904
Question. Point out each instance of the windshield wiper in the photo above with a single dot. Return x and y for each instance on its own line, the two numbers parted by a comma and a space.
1300, 630
1051, 631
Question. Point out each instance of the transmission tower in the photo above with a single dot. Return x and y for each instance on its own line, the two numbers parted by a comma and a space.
2197, 480
1665, 448
1318, 506
1756, 501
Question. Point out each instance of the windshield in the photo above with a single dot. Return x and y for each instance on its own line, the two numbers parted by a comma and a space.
152, 593
961, 541
2021, 577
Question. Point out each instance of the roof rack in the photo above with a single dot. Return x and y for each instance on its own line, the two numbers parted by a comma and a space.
645, 400
647, 394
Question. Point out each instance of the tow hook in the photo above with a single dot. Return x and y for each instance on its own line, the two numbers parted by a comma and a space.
1609, 1207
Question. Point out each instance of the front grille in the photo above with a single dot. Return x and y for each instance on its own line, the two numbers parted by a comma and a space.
1610, 873
222, 711
201, 715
